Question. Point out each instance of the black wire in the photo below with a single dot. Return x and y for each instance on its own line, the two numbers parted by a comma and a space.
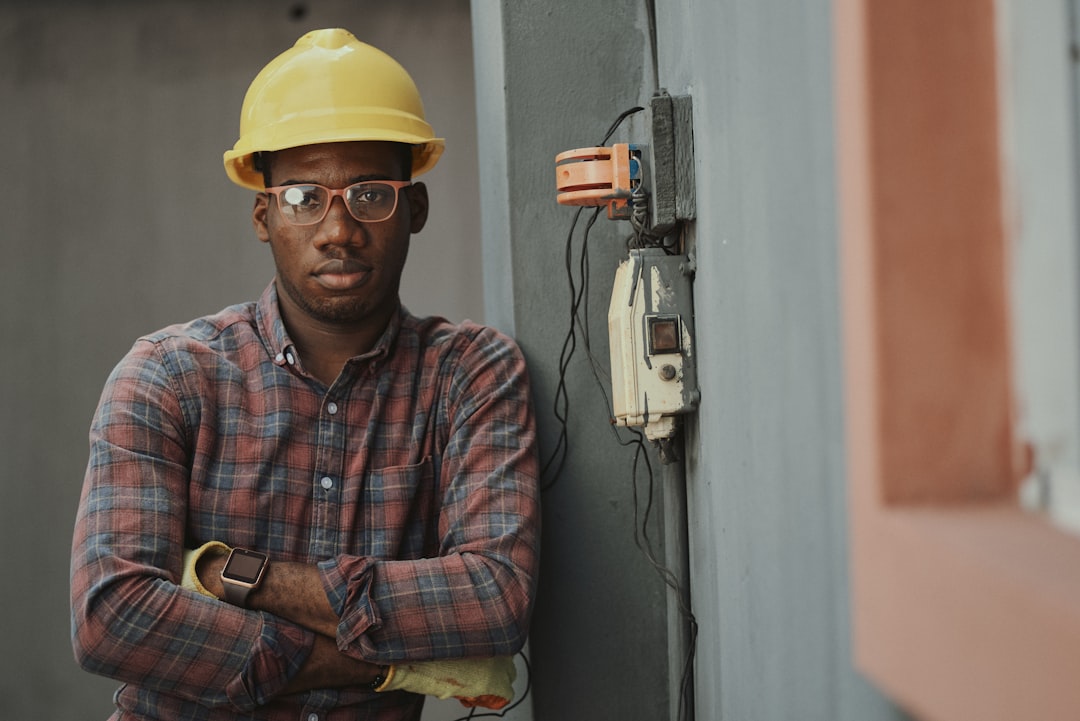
579, 319
582, 308
562, 401
644, 544
579, 312
618, 121
561, 406
578, 299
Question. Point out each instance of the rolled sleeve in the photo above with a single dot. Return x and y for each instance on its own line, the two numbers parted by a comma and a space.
277, 655
130, 618
348, 582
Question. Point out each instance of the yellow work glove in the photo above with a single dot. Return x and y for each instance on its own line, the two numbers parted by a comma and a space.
190, 579
487, 682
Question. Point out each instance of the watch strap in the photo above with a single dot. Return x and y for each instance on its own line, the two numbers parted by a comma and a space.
236, 594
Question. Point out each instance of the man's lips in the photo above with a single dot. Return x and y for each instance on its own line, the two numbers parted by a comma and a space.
344, 274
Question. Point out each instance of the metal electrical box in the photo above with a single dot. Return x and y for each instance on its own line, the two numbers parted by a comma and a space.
651, 316
651, 332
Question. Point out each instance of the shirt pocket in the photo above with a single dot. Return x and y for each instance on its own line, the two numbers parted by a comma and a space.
400, 512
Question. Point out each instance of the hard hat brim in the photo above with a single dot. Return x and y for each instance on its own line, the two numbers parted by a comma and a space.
240, 162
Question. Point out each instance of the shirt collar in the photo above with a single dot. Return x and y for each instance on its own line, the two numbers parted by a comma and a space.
385, 344
281, 347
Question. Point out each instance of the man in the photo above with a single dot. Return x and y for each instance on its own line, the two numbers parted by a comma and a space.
315, 506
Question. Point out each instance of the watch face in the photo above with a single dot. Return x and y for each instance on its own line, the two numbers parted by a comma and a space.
244, 566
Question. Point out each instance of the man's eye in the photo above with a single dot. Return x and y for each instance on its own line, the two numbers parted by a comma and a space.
371, 197
302, 197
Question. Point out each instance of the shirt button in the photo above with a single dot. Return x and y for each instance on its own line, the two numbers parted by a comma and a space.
292, 360
327, 482
331, 408
279, 358
313, 717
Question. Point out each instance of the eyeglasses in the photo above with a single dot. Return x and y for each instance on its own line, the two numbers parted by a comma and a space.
370, 201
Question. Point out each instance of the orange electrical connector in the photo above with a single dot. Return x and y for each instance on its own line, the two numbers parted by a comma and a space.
598, 177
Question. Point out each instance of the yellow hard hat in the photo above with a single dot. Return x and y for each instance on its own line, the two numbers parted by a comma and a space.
330, 87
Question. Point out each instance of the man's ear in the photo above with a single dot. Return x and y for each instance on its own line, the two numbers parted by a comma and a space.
258, 217
418, 206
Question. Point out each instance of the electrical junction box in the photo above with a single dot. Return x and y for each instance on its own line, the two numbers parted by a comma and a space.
651, 332
651, 316
601, 176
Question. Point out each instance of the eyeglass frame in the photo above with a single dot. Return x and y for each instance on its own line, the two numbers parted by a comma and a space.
397, 185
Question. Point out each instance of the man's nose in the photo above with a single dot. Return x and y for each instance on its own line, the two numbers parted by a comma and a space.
339, 227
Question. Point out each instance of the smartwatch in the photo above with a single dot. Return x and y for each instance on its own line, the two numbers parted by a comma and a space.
242, 574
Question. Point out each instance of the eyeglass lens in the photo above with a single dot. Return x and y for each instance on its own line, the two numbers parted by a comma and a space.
370, 201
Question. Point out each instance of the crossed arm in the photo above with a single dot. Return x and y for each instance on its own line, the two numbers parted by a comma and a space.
314, 626
484, 682
293, 591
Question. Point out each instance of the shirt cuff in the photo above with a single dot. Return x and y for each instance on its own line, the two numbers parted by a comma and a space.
348, 581
278, 655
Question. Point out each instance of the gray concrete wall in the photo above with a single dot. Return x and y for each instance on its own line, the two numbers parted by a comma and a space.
118, 219
599, 637
765, 469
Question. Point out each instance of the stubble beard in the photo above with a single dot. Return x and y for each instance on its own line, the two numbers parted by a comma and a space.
338, 311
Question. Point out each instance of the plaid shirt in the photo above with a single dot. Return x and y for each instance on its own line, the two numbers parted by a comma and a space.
411, 482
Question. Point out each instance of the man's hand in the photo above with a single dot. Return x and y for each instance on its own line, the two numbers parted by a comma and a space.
327, 667
485, 682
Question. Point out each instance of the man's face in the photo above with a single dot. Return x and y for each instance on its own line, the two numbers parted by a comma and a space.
340, 272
